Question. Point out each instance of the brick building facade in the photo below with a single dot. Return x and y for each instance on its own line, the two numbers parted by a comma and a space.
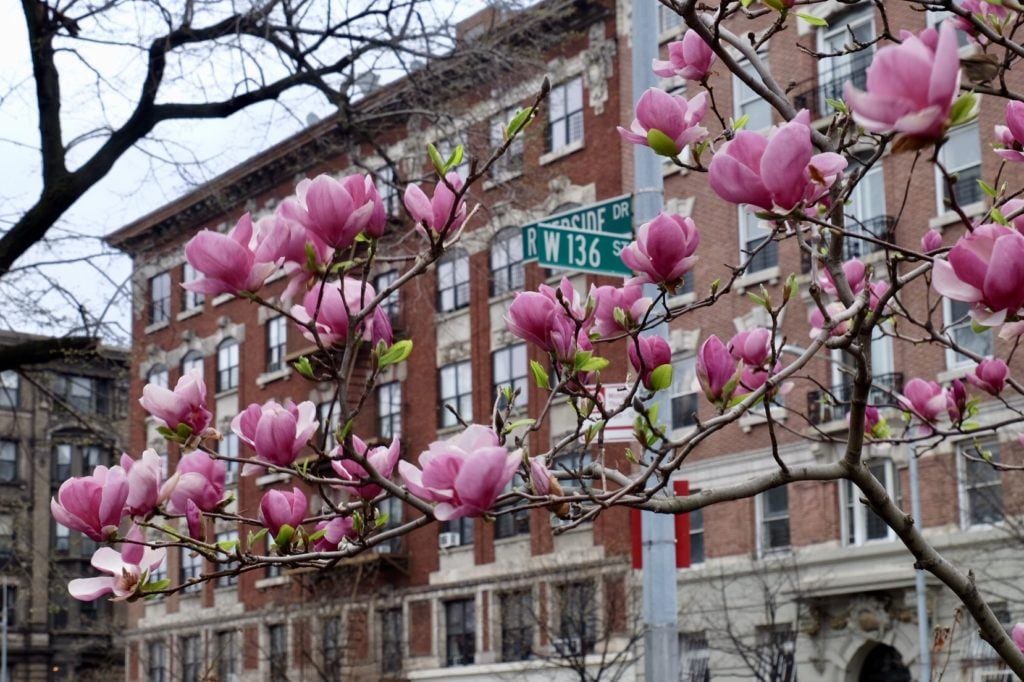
806, 572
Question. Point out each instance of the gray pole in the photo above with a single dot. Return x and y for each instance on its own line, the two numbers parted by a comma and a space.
661, 633
922, 603
3, 642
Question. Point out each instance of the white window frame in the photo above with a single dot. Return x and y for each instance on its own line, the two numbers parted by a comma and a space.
190, 300
744, 215
276, 331
849, 502
562, 91
193, 360
389, 394
739, 103
679, 362
512, 379
389, 194
453, 275
953, 168
963, 494
460, 370
953, 359
511, 163
857, 16
759, 518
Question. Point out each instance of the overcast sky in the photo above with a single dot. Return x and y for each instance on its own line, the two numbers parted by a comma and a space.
142, 181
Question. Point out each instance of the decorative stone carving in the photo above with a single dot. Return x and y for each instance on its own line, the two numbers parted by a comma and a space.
599, 64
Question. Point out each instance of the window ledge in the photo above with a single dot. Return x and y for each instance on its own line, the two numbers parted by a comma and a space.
751, 418
276, 581
272, 478
446, 315
157, 326
191, 312
958, 372
518, 538
670, 168
270, 377
769, 275
444, 432
223, 394
559, 153
502, 297
952, 217
501, 177
458, 549
764, 553
681, 299
221, 299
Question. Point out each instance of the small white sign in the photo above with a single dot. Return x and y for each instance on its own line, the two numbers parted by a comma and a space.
618, 429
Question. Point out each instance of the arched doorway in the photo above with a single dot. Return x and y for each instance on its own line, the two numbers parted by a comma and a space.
883, 664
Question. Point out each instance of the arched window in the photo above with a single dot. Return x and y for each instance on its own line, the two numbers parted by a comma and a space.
507, 261
453, 280
158, 376
227, 365
192, 360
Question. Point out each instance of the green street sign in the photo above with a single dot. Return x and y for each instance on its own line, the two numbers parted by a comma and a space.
565, 247
611, 216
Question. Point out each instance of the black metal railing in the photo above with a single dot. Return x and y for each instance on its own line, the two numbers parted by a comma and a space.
831, 86
826, 406
880, 227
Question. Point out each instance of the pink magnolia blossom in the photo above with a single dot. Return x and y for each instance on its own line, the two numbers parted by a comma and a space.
194, 521
985, 269
1018, 636
817, 320
336, 305
753, 378
926, 399
339, 210
540, 476
911, 86
280, 508
1013, 211
186, 404
992, 13
667, 123
1011, 135
277, 433
647, 354
956, 401
690, 58
433, 213
463, 475
288, 242
128, 571
856, 274
871, 418
145, 480
664, 250
549, 317
199, 478
931, 241
93, 504
774, 173
382, 459
990, 376
753, 347
336, 531
716, 370
629, 298
227, 261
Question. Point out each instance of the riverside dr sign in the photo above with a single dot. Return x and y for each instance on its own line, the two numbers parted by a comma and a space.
587, 239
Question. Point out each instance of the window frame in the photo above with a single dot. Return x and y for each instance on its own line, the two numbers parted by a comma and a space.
190, 300
461, 370
849, 503
277, 668
694, 657
965, 488
275, 336
193, 360
562, 91
227, 655
514, 523
513, 271
391, 623
9, 457
684, 365
7, 401
387, 187
518, 634
763, 518
952, 327
159, 375
697, 531
389, 424
156, 649
457, 262
467, 632
331, 650
511, 163
464, 526
769, 253
392, 304
191, 657
739, 102
515, 380
190, 567
227, 580
954, 165
228, 377
585, 590
159, 298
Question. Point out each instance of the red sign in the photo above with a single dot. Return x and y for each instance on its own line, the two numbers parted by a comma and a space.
682, 522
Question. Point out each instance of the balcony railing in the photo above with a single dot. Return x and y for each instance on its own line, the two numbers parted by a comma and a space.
831, 85
827, 406
879, 227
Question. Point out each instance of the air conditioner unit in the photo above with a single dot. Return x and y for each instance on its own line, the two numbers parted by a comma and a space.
446, 540
568, 646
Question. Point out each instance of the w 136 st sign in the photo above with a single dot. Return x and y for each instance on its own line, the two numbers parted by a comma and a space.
587, 239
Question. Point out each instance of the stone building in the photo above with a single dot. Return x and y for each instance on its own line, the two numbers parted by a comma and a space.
58, 419
802, 579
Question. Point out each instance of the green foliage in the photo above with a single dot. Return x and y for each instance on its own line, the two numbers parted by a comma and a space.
661, 377
540, 375
397, 352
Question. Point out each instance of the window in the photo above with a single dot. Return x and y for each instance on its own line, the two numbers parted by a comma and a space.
190, 659
227, 657
565, 114
571, 460
388, 189
833, 72
577, 618
191, 568
193, 360
512, 523
511, 163
960, 332
92, 457
457, 391
463, 527
228, 447
777, 653
9, 461
86, 394
684, 394
695, 657
190, 299
391, 640
160, 298
753, 233
936, 17
748, 102
329, 415
774, 527
696, 535
507, 261
508, 367
61, 464
10, 597
981, 484
460, 632
158, 376
860, 523
980, 651
961, 155
156, 662
277, 343
389, 410
668, 19
227, 365
330, 645
277, 652
453, 280
227, 580
516, 625
392, 508
6, 535
61, 538
866, 215
10, 390
390, 304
